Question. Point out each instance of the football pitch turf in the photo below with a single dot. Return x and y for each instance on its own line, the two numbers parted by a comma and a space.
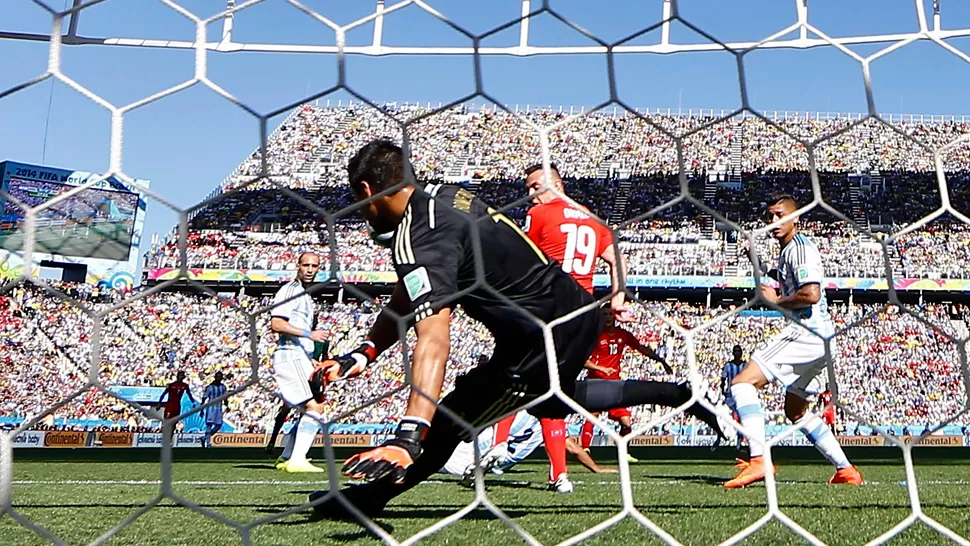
80, 501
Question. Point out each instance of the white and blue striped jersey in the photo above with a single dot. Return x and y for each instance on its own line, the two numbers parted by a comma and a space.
525, 436
213, 413
799, 263
298, 311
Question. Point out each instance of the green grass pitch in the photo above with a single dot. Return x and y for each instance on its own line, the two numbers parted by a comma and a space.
79, 501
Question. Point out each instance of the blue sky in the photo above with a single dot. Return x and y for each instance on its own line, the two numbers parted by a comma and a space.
187, 143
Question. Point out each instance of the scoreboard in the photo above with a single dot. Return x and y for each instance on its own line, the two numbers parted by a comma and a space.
96, 229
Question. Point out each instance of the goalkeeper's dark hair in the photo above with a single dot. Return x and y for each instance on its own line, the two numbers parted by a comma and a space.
781, 197
380, 163
538, 167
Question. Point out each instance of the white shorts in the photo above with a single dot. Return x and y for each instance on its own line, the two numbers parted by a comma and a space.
292, 369
796, 359
460, 460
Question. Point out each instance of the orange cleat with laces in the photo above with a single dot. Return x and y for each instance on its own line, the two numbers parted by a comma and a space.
752, 473
849, 475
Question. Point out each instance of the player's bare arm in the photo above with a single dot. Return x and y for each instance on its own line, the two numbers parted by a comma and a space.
806, 296
428, 366
651, 354
383, 333
617, 275
584, 459
593, 367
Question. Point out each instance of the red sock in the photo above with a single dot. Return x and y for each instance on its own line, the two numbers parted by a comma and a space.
586, 437
502, 430
554, 436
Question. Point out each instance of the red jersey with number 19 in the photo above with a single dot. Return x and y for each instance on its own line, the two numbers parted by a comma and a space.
569, 235
609, 352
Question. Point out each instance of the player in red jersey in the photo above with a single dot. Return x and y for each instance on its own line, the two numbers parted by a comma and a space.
569, 234
173, 405
604, 363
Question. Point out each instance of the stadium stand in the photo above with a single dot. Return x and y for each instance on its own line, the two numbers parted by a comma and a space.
892, 369
620, 166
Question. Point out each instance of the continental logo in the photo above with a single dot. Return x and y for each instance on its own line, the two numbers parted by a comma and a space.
115, 439
653, 441
59, 438
345, 440
937, 441
862, 441
238, 440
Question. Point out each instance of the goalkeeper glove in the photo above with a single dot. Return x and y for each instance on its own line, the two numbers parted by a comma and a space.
393, 457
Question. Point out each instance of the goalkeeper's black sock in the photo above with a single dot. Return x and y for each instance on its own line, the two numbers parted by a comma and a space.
601, 395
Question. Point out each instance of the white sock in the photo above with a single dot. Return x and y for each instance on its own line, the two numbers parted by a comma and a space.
820, 435
288, 441
752, 416
306, 432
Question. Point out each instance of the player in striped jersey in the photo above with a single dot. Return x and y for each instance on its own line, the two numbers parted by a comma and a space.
213, 413
525, 436
728, 373
796, 356
292, 319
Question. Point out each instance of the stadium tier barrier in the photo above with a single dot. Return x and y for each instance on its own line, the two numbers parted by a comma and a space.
599, 280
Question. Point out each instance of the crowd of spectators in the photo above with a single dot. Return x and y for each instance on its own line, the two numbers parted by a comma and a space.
892, 369
621, 166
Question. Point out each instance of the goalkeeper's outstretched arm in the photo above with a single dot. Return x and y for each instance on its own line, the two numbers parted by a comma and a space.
384, 333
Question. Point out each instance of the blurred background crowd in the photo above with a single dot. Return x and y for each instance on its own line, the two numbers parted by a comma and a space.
892, 369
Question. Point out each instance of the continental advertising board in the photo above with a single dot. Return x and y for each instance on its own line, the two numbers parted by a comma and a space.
599, 281
116, 439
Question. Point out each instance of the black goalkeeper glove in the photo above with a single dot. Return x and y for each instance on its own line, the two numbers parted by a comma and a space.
393, 457
341, 367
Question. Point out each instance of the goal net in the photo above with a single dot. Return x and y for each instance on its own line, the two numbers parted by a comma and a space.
676, 188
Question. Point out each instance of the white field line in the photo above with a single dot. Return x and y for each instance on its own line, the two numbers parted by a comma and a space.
237, 483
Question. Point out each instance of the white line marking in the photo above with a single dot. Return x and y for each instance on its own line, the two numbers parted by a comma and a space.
489, 481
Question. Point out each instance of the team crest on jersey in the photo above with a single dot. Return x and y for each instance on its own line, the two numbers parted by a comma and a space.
417, 283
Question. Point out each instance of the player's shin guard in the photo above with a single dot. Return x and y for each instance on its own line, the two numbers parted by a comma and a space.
586, 436
502, 430
554, 436
819, 434
306, 432
752, 416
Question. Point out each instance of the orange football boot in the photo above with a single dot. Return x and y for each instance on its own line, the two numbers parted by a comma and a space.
849, 475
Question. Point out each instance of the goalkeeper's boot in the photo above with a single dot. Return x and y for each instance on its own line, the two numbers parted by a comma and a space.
754, 472
849, 475
562, 484
294, 466
332, 508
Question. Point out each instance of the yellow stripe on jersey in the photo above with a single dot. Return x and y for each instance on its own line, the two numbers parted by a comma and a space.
499, 217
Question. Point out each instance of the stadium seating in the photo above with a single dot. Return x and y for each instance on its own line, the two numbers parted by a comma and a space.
618, 165
893, 370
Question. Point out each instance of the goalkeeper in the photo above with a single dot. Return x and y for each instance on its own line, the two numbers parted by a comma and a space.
444, 241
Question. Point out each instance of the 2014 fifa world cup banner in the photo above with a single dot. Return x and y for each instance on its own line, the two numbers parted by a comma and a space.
599, 281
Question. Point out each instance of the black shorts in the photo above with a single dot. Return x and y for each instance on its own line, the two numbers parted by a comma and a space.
518, 372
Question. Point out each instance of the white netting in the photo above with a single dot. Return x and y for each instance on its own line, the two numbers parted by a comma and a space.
547, 133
